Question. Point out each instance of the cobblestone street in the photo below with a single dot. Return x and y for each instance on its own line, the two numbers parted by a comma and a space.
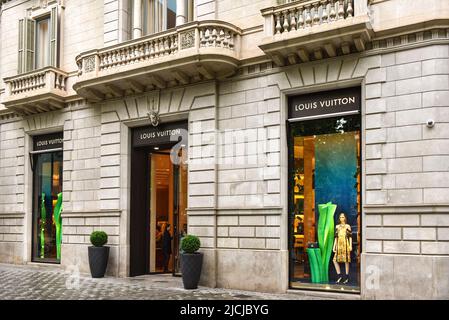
34, 283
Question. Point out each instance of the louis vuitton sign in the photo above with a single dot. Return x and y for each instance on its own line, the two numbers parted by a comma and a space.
48, 141
326, 103
163, 134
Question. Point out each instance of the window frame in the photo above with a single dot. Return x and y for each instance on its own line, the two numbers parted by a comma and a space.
148, 14
47, 60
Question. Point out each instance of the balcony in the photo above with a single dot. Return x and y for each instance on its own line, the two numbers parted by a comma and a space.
189, 53
301, 31
36, 91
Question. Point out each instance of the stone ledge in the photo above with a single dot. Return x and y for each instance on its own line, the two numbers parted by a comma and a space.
12, 215
235, 211
406, 208
108, 213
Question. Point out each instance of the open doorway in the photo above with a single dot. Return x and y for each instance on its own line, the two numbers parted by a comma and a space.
168, 216
158, 219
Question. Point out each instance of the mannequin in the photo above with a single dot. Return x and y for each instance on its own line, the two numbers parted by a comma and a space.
342, 247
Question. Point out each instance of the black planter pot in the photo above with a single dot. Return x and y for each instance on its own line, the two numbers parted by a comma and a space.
98, 261
191, 265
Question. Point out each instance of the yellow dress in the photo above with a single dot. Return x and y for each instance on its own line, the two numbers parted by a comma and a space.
342, 236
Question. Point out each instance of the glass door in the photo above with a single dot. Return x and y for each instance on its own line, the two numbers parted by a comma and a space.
161, 213
179, 208
168, 216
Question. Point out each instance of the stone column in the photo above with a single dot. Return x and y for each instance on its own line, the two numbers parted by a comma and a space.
181, 12
137, 19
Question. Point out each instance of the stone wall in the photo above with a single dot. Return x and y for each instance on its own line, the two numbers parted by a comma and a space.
406, 168
116, 15
88, 19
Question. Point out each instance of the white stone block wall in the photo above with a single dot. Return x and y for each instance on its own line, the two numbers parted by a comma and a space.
406, 160
76, 238
243, 13
206, 9
9, 40
82, 160
116, 21
12, 162
248, 198
88, 33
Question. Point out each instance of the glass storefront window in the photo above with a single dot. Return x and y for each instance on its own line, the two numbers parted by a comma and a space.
325, 203
47, 206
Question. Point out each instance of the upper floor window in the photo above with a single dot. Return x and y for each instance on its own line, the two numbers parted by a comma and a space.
42, 43
160, 15
38, 42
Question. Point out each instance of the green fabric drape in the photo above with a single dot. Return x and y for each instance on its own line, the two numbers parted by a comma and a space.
43, 223
58, 225
326, 236
315, 264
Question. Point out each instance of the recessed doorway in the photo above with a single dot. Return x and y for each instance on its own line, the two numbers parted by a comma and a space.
168, 217
158, 218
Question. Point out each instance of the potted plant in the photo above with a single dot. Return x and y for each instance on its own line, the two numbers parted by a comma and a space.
191, 261
98, 254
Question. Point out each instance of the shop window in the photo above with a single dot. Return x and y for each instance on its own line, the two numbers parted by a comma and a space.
47, 202
38, 42
325, 200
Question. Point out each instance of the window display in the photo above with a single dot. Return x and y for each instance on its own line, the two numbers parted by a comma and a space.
325, 203
47, 199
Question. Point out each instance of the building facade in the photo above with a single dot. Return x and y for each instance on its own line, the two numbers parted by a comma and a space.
305, 142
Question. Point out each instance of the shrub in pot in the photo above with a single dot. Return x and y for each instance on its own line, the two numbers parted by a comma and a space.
98, 254
191, 261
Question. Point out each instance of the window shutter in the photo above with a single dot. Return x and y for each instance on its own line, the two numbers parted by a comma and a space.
29, 48
54, 30
20, 67
30, 44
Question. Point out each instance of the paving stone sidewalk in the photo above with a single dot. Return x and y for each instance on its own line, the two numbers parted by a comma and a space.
42, 283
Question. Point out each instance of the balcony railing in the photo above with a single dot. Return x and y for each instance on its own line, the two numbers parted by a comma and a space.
197, 50
299, 15
36, 91
316, 28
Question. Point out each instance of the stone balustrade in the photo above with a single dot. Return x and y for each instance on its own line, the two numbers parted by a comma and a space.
49, 77
219, 35
315, 29
191, 52
298, 15
36, 91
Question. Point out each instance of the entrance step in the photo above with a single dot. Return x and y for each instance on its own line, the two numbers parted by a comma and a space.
325, 295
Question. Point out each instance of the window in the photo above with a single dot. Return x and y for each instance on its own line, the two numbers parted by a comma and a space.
47, 198
38, 42
324, 187
161, 15
42, 43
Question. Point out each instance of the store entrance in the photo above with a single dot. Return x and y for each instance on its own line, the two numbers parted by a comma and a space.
168, 218
158, 218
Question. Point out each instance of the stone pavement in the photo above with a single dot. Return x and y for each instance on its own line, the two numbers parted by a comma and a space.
48, 283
